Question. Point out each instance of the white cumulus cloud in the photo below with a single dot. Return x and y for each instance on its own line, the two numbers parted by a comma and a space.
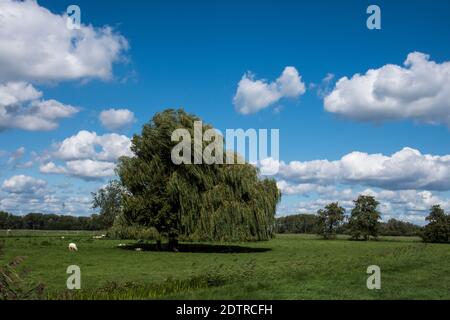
36, 45
419, 90
87, 155
407, 205
254, 95
22, 107
22, 184
114, 119
403, 170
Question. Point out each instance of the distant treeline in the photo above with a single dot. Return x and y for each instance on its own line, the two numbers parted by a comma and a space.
308, 223
300, 223
39, 221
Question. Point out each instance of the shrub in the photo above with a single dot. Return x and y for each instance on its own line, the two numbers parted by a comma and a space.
122, 231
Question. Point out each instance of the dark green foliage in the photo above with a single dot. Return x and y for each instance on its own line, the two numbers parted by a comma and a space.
363, 222
399, 228
308, 223
132, 232
329, 219
199, 202
4, 220
297, 223
109, 201
13, 286
438, 228
39, 221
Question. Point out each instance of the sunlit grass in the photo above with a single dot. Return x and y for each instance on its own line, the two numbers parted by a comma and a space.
294, 267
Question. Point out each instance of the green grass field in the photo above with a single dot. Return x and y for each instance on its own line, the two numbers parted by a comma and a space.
287, 267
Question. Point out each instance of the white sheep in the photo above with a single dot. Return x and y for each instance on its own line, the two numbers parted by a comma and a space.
73, 247
8, 232
99, 237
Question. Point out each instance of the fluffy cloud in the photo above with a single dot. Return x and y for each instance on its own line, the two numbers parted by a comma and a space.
406, 183
88, 155
51, 167
86, 145
22, 107
36, 45
305, 189
22, 184
23, 194
405, 169
114, 119
406, 205
87, 169
254, 95
420, 90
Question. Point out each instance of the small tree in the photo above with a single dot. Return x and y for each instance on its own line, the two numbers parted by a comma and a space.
330, 219
109, 201
363, 221
438, 228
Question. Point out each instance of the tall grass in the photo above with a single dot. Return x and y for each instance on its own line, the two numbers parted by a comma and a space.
136, 291
114, 290
14, 285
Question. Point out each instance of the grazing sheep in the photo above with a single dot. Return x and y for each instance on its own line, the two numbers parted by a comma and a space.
121, 245
73, 247
138, 249
62, 237
8, 232
99, 237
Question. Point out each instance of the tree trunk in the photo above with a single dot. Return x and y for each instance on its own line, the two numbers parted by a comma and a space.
173, 244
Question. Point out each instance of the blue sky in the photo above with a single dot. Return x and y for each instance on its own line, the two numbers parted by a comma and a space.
194, 55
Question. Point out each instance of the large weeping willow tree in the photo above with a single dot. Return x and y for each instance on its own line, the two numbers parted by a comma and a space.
226, 202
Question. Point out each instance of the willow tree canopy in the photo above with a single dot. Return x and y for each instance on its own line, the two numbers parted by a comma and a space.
226, 202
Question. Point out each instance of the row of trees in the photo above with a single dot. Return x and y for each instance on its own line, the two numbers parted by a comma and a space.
297, 223
364, 222
39, 221
308, 223
329, 221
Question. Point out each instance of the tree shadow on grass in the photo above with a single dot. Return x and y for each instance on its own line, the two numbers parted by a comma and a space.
195, 248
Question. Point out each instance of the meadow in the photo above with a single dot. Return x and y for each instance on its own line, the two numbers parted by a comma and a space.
287, 267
